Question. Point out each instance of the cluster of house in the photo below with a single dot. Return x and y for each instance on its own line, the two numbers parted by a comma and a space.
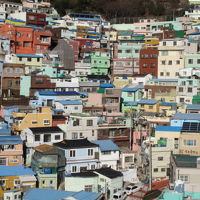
85, 102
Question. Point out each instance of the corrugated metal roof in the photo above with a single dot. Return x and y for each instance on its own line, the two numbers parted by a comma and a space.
165, 80
193, 107
38, 194
28, 56
70, 102
169, 128
132, 88
106, 145
53, 93
167, 104
186, 161
15, 170
130, 103
107, 85
148, 101
186, 116
12, 139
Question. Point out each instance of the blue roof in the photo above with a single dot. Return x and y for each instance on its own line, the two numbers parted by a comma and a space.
132, 88
40, 194
15, 170
186, 116
148, 101
130, 103
193, 107
84, 93
10, 107
169, 128
54, 93
12, 139
28, 56
17, 20
167, 104
106, 85
107, 145
70, 102
89, 19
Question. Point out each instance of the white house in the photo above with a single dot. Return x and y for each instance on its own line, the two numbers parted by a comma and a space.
80, 126
70, 106
109, 153
41, 135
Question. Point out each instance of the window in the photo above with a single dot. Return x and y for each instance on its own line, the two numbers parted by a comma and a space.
170, 62
74, 135
180, 89
161, 73
89, 122
72, 153
81, 135
88, 188
90, 152
20, 58
155, 169
129, 159
130, 94
43, 182
38, 81
178, 62
29, 59
3, 161
76, 108
198, 61
144, 65
2, 182
150, 107
163, 62
190, 61
164, 53
27, 44
31, 18
184, 178
152, 65
51, 182
57, 137
168, 74
190, 89
46, 121
34, 122
119, 51
181, 100
160, 158
177, 74
92, 167
37, 138
162, 169
190, 142
74, 169
164, 43
41, 19
128, 51
190, 82
38, 59
17, 182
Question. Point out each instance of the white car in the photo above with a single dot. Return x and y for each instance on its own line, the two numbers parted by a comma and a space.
120, 195
132, 189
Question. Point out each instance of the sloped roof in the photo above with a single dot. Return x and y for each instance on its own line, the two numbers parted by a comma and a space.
148, 101
106, 145
109, 172
186, 161
70, 102
186, 116
169, 128
54, 129
75, 144
193, 107
53, 93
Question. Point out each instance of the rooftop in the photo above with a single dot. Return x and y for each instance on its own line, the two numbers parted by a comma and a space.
167, 104
70, 102
132, 88
28, 56
12, 139
148, 101
84, 174
53, 129
186, 161
109, 172
53, 93
40, 194
106, 145
75, 144
15, 170
193, 107
186, 116
169, 128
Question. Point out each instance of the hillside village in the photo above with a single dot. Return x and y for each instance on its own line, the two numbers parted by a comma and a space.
94, 110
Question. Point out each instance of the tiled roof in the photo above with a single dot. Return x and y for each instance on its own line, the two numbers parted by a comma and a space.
39, 194
148, 101
75, 144
53, 129
15, 170
106, 145
169, 128
186, 116
193, 107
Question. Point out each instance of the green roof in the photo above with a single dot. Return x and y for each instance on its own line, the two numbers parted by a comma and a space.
186, 161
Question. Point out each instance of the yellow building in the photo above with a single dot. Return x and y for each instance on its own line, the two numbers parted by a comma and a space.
14, 178
16, 22
113, 35
41, 118
149, 105
168, 108
151, 42
120, 82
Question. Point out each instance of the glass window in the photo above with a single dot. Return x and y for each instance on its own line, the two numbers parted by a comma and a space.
155, 169
160, 158
89, 122
37, 138
190, 61
90, 152
72, 153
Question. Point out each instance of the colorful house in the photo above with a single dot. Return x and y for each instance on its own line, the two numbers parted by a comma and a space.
16, 178
149, 105
11, 150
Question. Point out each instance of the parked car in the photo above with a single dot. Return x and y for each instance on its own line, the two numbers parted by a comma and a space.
132, 189
120, 195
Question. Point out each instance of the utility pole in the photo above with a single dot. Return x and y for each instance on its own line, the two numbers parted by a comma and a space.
150, 161
131, 128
